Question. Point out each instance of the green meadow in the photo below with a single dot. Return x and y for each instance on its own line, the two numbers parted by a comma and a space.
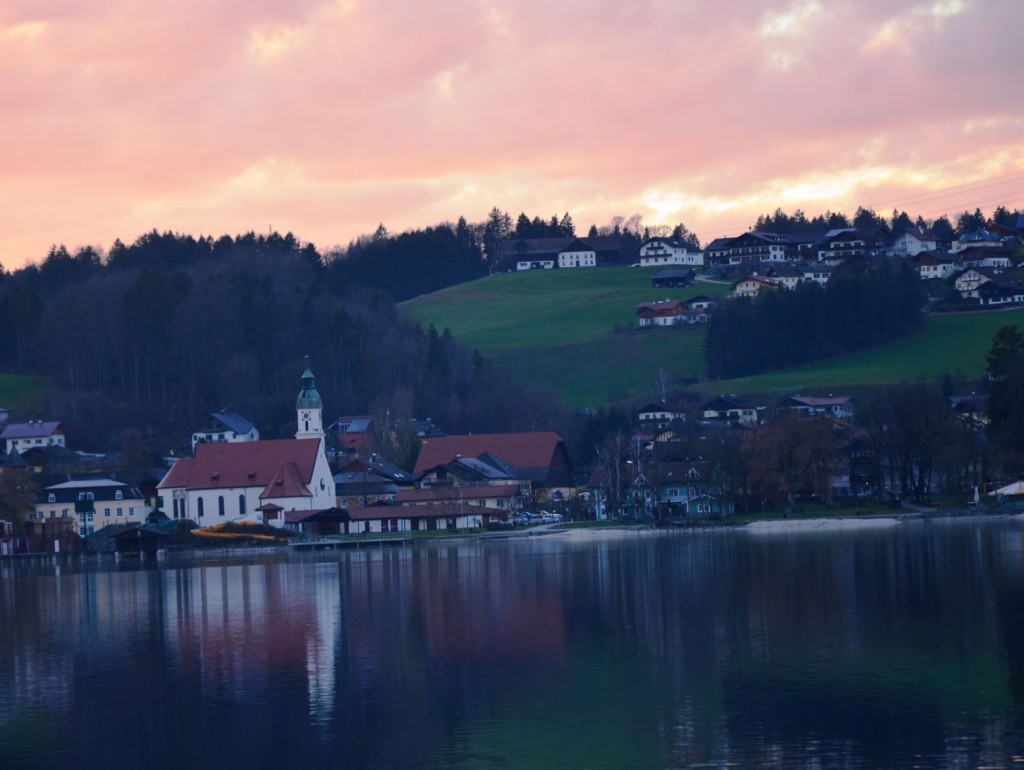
574, 332
19, 393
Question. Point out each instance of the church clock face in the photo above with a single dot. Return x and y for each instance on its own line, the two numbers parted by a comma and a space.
305, 415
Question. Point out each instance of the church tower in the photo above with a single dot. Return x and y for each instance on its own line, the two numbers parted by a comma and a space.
310, 409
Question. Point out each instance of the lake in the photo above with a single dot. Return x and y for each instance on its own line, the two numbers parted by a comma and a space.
888, 645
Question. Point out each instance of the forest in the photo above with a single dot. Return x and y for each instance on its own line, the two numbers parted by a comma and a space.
164, 331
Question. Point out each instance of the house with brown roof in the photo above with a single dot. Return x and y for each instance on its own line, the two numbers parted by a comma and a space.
667, 312
540, 458
256, 481
753, 285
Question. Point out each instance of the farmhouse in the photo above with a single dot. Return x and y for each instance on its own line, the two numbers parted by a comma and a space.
228, 427
752, 285
92, 503
840, 407
659, 252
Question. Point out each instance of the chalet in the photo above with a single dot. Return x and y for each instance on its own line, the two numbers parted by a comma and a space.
659, 252
506, 498
660, 414
701, 302
839, 407
933, 264
913, 242
226, 427
664, 313
541, 458
668, 279
751, 247
729, 409
989, 256
753, 285
1002, 291
255, 480
969, 280
21, 436
844, 244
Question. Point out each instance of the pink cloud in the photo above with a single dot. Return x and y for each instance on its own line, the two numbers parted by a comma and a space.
334, 116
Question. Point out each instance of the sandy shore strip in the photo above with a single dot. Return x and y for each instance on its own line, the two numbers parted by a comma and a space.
818, 525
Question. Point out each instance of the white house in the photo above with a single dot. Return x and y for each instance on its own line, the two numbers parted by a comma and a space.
226, 427
913, 242
21, 436
258, 481
659, 252
577, 254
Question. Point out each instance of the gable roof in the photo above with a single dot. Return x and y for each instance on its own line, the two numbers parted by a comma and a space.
247, 464
287, 482
30, 429
233, 422
522, 451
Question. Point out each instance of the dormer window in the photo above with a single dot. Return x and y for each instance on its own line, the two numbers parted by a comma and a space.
52, 498
118, 495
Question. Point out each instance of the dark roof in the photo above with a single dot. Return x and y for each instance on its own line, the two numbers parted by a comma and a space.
530, 453
232, 422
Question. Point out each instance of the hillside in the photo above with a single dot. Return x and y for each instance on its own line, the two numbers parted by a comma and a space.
557, 330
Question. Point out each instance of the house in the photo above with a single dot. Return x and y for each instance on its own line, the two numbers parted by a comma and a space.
684, 488
664, 313
666, 279
913, 242
549, 253
729, 409
750, 247
354, 435
660, 414
541, 458
226, 426
93, 504
969, 280
255, 480
846, 243
701, 302
933, 264
989, 256
1002, 291
976, 238
753, 285
484, 470
839, 407
501, 498
34, 434
577, 254
659, 252
361, 488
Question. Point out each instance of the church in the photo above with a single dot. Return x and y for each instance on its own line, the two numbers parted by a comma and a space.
257, 481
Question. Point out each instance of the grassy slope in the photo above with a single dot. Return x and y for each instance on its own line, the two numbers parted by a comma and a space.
18, 393
555, 329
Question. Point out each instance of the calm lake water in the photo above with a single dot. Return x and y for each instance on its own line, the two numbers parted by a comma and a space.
883, 647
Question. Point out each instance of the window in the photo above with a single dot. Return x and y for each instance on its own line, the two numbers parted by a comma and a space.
106, 512
120, 511
52, 498
118, 495
220, 505
199, 507
241, 505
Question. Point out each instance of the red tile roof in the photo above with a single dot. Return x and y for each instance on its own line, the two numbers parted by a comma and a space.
246, 464
520, 450
287, 482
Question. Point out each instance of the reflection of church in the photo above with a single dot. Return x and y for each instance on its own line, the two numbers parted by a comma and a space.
255, 481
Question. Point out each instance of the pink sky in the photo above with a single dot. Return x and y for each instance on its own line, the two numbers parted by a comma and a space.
327, 117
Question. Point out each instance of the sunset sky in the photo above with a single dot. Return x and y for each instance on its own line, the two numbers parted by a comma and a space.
325, 118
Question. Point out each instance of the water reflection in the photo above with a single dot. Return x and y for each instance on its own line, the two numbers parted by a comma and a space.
891, 648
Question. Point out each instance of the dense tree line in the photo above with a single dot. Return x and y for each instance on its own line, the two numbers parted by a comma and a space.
171, 328
780, 328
